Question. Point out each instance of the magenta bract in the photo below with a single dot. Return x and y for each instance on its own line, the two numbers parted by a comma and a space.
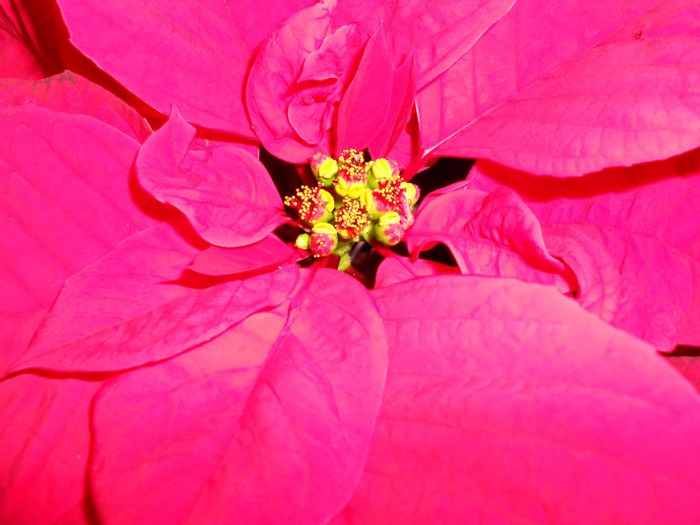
631, 237
49, 230
505, 399
195, 46
225, 193
571, 91
271, 421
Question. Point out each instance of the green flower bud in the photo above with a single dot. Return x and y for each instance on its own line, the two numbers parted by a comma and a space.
324, 168
343, 247
303, 241
389, 230
382, 170
411, 192
345, 262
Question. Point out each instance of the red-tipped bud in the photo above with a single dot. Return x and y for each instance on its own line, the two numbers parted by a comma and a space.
313, 204
375, 204
382, 170
324, 168
324, 239
351, 180
388, 229
351, 219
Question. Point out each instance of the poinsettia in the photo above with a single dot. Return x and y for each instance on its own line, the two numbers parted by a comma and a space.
187, 370
272, 393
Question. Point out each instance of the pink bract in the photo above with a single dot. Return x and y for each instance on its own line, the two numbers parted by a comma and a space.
260, 256
630, 235
307, 48
225, 193
506, 402
16, 60
280, 413
494, 235
395, 269
46, 440
341, 73
32, 39
573, 89
200, 50
134, 306
72, 93
49, 229
364, 108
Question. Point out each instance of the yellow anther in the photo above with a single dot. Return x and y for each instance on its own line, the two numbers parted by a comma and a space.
351, 180
313, 204
365, 200
351, 156
351, 219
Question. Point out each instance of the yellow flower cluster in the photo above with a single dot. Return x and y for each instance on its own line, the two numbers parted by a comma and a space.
354, 200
